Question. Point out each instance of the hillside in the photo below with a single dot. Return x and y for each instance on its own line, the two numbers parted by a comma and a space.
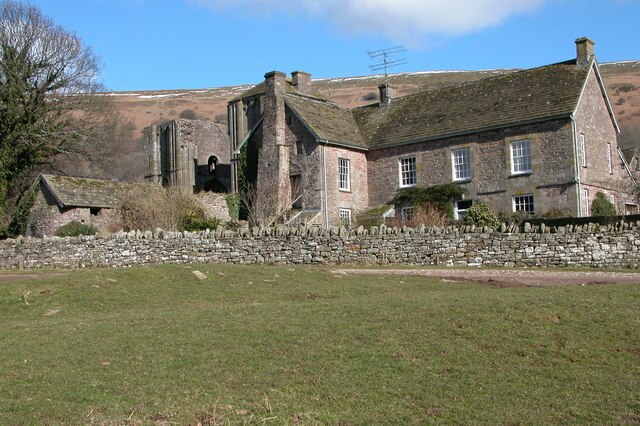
144, 108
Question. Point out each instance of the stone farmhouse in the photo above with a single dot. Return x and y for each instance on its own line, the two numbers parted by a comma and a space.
534, 140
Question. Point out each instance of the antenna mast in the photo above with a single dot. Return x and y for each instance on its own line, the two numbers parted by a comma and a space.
388, 59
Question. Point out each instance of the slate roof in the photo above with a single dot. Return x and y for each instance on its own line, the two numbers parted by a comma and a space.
84, 192
327, 121
531, 95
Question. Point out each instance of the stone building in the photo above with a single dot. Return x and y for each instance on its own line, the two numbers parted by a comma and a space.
534, 140
191, 154
63, 199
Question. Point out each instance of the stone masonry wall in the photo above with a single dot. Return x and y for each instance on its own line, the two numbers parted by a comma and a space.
615, 246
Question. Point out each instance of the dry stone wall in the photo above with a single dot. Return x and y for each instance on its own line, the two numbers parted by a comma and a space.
583, 246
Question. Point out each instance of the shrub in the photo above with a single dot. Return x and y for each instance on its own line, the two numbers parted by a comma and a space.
438, 196
601, 206
74, 229
370, 96
233, 205
198, 222
156, 207
481, 214
554, 213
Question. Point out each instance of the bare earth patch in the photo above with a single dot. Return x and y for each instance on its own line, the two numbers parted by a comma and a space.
509, 278
22, 277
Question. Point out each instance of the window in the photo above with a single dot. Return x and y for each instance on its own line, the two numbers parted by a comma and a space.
630, 208
212, 165
460, 208
461, 159
612, 199
407, 213
408, 172
586, 203
297, 148
583, 149
344, 179
521, 156
523, 203
609, 158
345, 217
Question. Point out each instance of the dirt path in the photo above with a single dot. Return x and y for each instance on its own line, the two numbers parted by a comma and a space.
510, 278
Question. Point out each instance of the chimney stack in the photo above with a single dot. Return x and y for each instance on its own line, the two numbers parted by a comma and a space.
584, 50
301, 81
386, 94
273, 154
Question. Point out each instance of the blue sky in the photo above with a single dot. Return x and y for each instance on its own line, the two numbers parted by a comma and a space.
172, 44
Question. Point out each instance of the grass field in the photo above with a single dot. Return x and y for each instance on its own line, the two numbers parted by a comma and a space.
301, 345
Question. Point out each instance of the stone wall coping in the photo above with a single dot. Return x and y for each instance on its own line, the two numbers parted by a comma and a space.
343, 233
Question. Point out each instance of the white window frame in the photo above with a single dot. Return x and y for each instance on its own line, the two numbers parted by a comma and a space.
524, 200
345, 217
407, 171
344, 174
612, 199
583, 148
461, 164
460, 213
586, 203
520, 156
407, 213
609, 165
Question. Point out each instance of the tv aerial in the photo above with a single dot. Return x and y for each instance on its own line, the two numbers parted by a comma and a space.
386, 59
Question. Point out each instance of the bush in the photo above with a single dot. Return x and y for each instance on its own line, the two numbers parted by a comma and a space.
555, 213
198, 222
74, 229
438, 196
156, 207
481, 214
233, 205
601, 206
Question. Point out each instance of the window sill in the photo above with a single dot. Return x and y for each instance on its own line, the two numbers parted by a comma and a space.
462, 180
408, 186
348, 191
518, 174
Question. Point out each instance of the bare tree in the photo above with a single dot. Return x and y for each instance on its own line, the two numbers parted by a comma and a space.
268, 208
48, 105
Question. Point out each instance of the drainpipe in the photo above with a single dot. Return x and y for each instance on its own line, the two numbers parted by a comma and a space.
325, 208
577, 163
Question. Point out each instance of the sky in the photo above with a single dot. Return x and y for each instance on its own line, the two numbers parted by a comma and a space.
192, 44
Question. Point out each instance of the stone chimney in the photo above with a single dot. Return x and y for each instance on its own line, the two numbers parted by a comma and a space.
301, 81
273, 155
387, 93
584, 50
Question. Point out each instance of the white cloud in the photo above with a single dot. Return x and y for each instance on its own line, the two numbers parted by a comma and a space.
398, 19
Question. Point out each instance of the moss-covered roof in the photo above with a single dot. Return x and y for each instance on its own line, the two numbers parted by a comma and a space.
84, 192
327, 121
526, 96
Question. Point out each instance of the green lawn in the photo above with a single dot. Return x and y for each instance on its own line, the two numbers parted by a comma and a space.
298, 345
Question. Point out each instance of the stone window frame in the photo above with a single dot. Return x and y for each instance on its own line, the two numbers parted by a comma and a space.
457, 210
609, 159
517, 146
344, 174
458, 168
407, 172
298, 147
583, 149
407, 213
523, 203
344, 214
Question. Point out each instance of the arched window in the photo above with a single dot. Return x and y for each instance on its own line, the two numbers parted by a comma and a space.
213, 165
